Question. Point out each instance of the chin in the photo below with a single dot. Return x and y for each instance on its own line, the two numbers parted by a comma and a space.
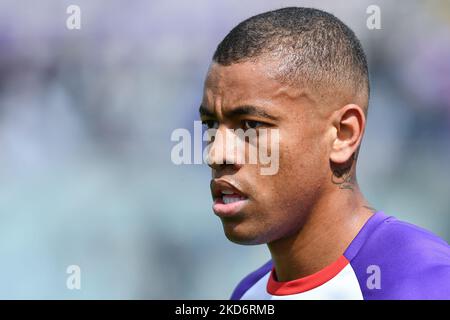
239, 234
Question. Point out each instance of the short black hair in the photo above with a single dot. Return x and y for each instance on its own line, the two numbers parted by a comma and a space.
311, 45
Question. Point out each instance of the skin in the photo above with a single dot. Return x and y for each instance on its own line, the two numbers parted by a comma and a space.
310, 211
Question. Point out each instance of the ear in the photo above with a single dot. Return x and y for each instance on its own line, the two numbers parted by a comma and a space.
349, 123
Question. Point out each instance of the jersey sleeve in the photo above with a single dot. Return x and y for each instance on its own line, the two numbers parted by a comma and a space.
412, 263
250, 280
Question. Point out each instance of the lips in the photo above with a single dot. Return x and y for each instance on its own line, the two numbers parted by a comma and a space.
228, 199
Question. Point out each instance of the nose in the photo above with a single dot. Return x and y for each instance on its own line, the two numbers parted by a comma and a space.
224, 151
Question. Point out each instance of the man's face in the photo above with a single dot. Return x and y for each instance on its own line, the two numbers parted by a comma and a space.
271, 206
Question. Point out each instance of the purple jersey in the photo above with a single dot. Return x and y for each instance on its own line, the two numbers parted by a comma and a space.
388, 259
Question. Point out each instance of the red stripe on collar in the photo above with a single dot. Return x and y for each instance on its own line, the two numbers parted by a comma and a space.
278, 288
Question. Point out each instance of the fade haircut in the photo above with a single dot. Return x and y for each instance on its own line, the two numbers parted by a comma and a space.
313, 48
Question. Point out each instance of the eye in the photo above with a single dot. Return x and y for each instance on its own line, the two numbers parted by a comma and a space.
252, 124
210, 124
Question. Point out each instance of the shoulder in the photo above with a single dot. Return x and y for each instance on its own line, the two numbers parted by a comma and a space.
412, 263
250, 280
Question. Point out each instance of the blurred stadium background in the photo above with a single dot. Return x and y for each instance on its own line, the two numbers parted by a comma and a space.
85, 123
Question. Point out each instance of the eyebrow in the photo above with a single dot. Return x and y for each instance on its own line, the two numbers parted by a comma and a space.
205, 112
238, 111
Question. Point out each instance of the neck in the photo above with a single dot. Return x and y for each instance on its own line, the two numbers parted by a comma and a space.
328, 230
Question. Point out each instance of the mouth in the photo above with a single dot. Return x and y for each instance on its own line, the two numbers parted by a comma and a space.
228, 200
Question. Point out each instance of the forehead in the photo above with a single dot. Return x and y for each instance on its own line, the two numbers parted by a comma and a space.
242, 77
249, 83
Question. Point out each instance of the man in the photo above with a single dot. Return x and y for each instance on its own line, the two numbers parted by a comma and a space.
303, 72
